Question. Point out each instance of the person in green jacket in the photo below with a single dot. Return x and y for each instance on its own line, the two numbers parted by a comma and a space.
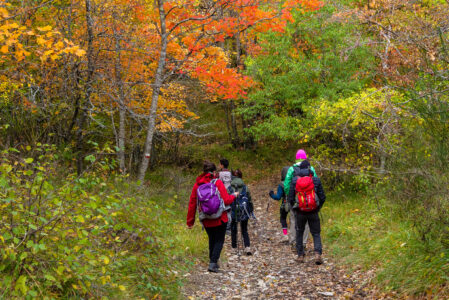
300, 157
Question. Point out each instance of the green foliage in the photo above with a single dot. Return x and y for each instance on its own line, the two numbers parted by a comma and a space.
362, 235
86, 236
353, 133
421, 189
321, 56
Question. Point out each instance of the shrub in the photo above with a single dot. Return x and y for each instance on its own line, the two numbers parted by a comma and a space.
65, 235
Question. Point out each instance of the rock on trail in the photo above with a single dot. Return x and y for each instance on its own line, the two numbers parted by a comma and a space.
272, 272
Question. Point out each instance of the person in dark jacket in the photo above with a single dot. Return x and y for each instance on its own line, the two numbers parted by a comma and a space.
241, 210
215, 228
289, 236
284, 209
307, 217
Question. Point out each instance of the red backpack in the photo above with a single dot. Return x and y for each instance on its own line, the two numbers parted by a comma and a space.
305, 194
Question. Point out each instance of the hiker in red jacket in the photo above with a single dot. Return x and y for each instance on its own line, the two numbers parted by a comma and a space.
215, 227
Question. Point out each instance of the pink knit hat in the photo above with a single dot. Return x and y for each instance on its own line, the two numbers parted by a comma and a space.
301, 154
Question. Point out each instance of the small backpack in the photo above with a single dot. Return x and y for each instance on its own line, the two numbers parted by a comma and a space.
305, 195
241, 207
225, 177
210, 203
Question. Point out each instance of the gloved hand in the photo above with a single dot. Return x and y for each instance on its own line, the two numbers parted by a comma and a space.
271, 193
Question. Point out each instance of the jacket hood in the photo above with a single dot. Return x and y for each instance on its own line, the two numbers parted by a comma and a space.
204, 178
303, 173
304, 164
237, 183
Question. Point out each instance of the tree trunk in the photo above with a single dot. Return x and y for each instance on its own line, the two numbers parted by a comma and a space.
90, 72
237, 49
235, 138
122, 111
157, 84
247, 142
228, 127
131, 147
383, 158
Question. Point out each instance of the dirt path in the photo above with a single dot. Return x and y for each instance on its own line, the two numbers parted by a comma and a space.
272, 272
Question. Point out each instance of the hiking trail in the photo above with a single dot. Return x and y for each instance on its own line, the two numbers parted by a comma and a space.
272, 271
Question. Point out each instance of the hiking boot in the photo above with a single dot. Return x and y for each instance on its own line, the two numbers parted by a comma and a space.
285, 239
213, 267
318, 259
248, 251
300, 259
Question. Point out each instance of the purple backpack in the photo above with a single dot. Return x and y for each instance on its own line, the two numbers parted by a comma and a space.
210, 204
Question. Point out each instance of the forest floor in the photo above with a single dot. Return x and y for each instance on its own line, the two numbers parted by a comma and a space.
272, 272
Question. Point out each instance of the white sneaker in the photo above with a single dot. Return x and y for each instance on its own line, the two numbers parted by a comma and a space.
285, 238
248, 251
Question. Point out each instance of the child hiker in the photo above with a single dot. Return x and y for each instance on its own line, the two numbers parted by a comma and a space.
289, 236
306, 197
241, 210
211, 210
226, 177
224, 174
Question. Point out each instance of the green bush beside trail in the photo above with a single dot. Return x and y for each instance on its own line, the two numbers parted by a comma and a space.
68, 236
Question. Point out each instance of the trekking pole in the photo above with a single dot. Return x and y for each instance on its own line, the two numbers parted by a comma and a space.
237, 215
240, 241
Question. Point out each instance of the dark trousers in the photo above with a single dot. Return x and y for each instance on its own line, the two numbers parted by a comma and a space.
283, 214
315, 228
216, 241
234, 230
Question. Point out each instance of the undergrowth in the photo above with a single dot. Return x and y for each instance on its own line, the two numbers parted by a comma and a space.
94, 235
363, 233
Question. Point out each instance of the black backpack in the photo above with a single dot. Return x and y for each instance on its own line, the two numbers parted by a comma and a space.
241, 208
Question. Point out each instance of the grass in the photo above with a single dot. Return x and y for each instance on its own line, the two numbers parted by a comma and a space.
361, 235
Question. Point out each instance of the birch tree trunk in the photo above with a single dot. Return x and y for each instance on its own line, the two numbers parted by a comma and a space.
157, 84
237, 49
